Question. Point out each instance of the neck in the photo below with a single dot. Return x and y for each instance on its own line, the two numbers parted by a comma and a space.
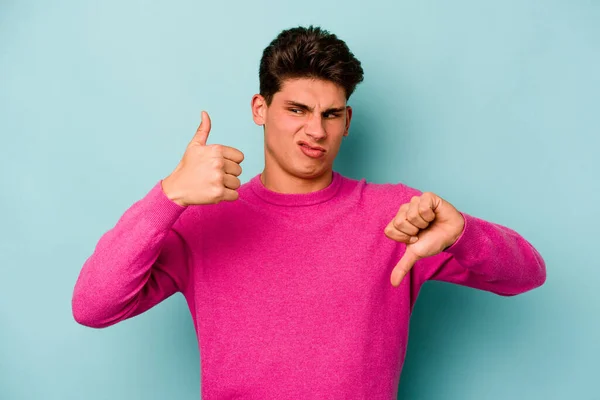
289, 184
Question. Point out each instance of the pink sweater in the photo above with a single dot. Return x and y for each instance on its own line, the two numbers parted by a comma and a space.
290, 294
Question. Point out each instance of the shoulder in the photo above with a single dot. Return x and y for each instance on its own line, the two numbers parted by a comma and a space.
382, 193
376, 202
398, 189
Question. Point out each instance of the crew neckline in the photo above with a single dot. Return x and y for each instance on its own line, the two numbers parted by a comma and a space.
296, 199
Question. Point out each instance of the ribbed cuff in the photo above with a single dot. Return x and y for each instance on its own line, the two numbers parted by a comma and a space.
458, 246
162, 212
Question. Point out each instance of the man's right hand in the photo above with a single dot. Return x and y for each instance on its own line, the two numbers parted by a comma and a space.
206, 174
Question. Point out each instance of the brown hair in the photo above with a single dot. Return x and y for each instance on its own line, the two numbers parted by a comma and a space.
308, 53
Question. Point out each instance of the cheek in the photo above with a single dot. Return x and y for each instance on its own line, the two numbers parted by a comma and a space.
336, 127
285, 127
281, 132
290, 124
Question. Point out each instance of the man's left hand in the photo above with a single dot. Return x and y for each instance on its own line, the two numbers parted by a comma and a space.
428, 225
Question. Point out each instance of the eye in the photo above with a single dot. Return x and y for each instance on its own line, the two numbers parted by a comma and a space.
295, 110
332, 115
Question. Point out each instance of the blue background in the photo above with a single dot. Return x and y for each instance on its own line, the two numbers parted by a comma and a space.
493, 105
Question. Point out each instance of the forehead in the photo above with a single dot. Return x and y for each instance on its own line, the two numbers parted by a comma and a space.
311, 92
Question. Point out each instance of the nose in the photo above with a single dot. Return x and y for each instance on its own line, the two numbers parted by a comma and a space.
314, 128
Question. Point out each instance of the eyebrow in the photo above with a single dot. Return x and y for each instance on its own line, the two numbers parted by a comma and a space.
307, 108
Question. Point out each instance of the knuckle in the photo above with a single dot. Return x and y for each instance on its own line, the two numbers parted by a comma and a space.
412, 217
397, 223
218, 163
218, 177
218, 191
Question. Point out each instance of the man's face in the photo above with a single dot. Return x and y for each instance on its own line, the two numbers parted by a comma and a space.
304, 127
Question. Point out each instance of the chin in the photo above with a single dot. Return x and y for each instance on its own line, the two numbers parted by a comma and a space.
310, 173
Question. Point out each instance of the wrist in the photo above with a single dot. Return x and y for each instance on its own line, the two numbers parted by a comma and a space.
462, 224
171, 194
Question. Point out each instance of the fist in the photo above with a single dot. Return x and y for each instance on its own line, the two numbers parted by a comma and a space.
206, 174
428, 225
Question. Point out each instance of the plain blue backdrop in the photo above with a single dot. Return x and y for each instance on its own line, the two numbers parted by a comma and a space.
493, 105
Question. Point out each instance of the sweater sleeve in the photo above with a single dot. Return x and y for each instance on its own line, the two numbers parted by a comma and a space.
138, 263
489, 257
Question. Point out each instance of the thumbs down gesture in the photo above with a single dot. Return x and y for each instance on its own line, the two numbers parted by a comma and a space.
427, 224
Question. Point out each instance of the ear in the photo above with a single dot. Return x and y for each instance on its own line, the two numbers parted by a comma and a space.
259, 109
348, 118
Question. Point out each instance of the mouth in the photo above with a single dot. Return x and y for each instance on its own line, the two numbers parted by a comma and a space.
315, 152
309, 147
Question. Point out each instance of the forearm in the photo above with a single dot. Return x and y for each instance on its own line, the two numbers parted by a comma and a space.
116, 276
490, 257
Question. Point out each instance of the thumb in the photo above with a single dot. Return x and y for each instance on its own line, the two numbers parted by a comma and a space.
203, 130
403, 267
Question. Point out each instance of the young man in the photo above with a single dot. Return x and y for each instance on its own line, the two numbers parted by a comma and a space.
301, 281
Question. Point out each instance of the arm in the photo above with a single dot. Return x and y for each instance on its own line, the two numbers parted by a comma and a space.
143, 259
448, 245
138, 263
486, 256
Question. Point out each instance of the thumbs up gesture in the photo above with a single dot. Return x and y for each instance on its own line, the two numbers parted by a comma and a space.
428, 225
206, 174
